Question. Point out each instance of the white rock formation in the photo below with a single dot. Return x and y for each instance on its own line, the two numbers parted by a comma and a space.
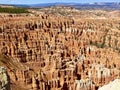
114, 85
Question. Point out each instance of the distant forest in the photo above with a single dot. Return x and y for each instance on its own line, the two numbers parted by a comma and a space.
13, 10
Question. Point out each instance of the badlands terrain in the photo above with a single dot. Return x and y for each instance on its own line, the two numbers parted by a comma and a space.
60, 48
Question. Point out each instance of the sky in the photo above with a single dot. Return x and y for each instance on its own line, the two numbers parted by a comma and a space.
52, 1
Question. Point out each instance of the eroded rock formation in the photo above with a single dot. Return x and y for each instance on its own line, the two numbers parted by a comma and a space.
52, 52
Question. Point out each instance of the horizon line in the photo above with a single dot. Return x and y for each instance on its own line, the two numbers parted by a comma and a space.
58, 3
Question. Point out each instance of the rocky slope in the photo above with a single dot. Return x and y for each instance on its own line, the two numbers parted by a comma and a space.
56, 52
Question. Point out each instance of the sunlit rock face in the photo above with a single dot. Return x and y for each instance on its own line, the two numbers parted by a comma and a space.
113, 85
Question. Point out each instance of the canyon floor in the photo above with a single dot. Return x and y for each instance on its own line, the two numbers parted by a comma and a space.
60, 48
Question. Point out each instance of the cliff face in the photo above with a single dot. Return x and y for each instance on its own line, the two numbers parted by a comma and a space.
48, 52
